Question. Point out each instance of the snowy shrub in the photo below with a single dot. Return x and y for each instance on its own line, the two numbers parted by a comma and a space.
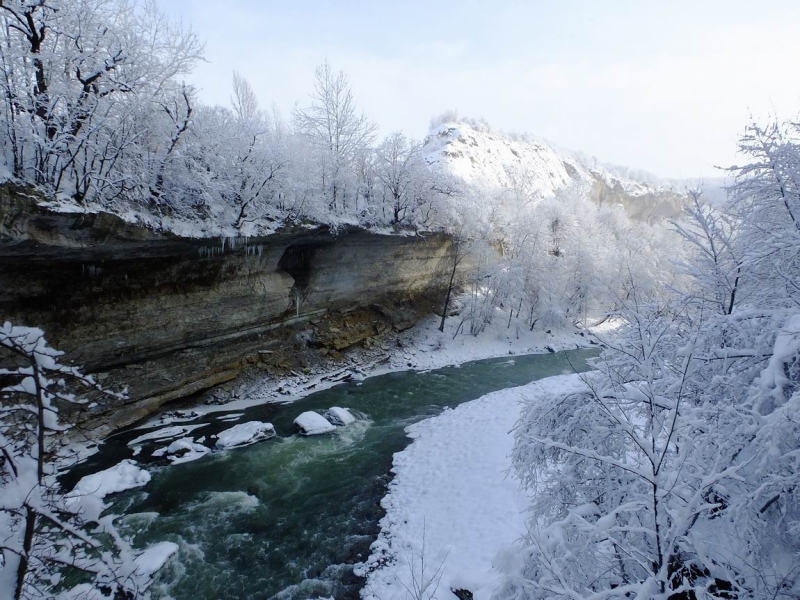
52, 542
673, 473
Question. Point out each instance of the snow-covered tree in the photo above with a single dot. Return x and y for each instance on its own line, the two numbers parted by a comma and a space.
459, 213
257, 159
235, 162
714, 265
650, 480
53, 544
81, 80
671, 472
404, 177
336, 133
766, 199
563, 260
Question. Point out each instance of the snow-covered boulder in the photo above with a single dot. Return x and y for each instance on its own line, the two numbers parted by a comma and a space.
165, 433
339, 416
175, 416
154, 557
185, 450
311, 423
124, 476
245, 434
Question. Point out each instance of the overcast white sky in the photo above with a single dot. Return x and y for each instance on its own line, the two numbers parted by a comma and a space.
664, 86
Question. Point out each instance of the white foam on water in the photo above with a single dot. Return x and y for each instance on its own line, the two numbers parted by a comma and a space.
352, 434
222, 504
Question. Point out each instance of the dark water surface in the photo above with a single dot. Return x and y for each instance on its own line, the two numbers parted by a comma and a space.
288, 517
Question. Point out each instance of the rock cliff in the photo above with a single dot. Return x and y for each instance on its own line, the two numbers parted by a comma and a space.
476, 154
169, 316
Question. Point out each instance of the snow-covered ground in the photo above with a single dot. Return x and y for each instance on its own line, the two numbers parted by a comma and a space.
218, 225
425, 347
452, 502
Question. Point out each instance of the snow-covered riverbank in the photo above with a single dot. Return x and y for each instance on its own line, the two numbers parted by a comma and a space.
422, 347
452, 503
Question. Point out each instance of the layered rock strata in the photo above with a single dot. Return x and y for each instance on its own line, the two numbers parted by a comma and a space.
168, 316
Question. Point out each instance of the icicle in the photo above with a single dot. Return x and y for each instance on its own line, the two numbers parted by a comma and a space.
90, 270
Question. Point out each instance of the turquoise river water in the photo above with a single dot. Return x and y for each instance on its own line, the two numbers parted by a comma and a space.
290, 516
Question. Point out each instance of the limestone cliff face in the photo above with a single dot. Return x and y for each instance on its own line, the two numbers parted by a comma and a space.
168, 316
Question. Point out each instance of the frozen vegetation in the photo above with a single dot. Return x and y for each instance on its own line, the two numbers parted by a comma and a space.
46, 532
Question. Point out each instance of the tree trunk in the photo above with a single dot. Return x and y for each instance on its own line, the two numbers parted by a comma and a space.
733, 291
27, 544
40, 426
449, 291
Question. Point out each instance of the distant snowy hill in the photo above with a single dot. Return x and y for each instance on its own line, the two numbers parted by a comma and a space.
477, 154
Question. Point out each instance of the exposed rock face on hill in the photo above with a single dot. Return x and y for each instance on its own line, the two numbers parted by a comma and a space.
478, 155
168, 316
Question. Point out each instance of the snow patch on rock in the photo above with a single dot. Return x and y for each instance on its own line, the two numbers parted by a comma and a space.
479, 155
245, 434
312, 423
185, 450
340, 416
230, 417
155, 557
165, 433
124, 476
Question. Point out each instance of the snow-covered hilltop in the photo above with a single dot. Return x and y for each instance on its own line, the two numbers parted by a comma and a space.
481, 156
